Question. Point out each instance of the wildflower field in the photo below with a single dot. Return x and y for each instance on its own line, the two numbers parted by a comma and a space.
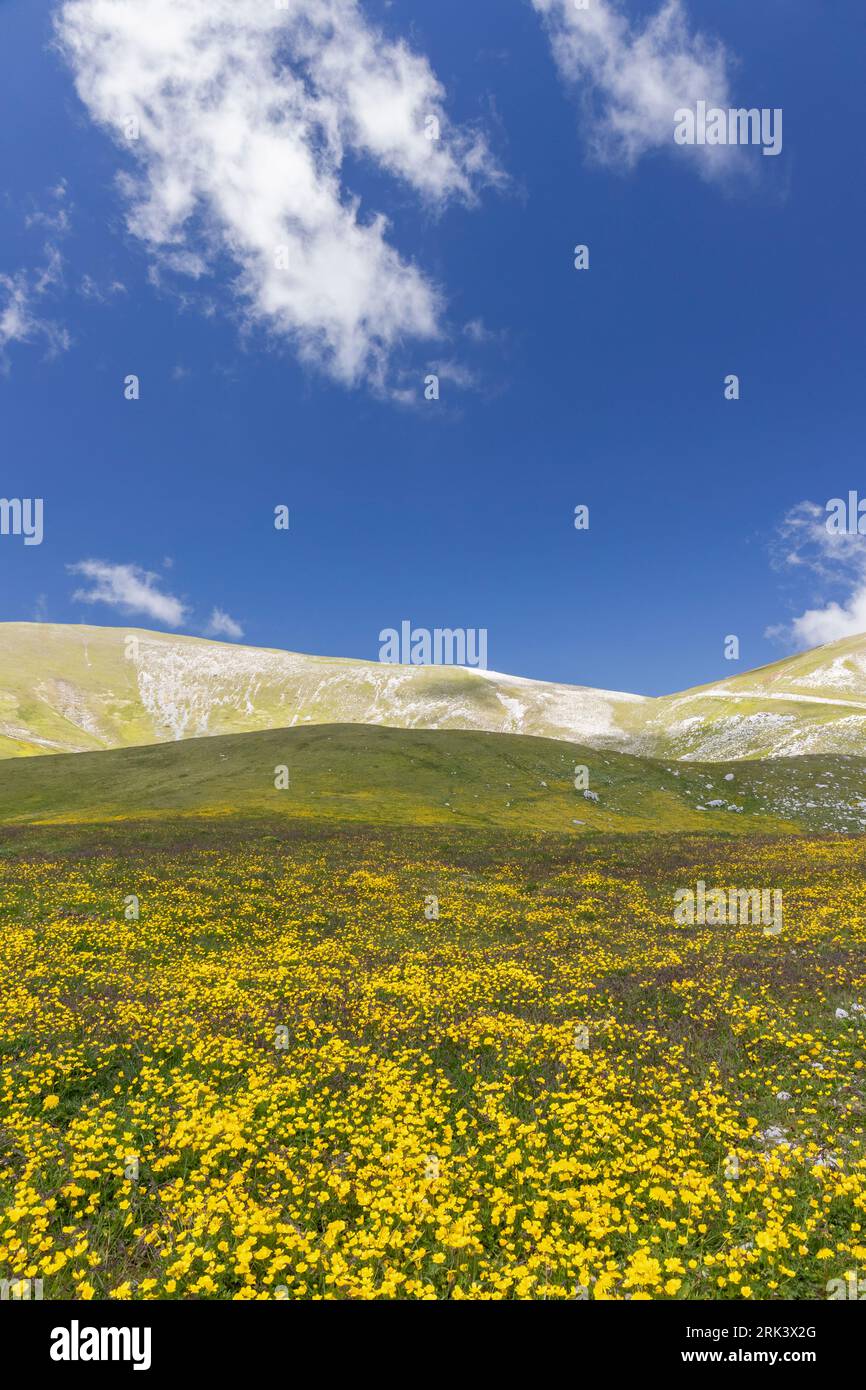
242, 1060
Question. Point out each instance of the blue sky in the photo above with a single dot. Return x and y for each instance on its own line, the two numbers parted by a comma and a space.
557, 387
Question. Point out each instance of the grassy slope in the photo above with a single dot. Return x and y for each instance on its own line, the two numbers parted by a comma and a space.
382, 776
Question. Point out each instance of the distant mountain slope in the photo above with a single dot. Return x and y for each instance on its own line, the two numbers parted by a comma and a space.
75, 689
814, 702
382, 776
78, 689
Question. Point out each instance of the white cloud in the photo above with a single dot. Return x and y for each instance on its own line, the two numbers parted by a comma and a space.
456, 373
245, 114
828, 624
477, 330
22, 292
128, 588
55, 221
221, 625
91, 288
635, 76
804, 544
21, 317
55, 216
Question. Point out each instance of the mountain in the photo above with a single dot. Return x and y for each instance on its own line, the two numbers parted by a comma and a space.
70, 689
814, 702
348, 773
76, 689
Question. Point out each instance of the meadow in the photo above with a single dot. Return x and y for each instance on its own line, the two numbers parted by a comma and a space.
246, 1059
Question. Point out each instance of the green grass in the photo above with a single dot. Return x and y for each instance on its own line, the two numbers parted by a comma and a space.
382, 776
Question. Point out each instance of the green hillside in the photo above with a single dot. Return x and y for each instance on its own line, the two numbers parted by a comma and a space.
433, 777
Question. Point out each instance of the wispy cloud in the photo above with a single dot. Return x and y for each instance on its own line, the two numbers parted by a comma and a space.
129, 589
455, 372
478, 332
221, 625
632, 77
21, 320
828, 560
102, 293
22, 315
24, 292
244, 114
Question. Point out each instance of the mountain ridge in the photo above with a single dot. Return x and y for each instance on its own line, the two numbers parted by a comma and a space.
80, 688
